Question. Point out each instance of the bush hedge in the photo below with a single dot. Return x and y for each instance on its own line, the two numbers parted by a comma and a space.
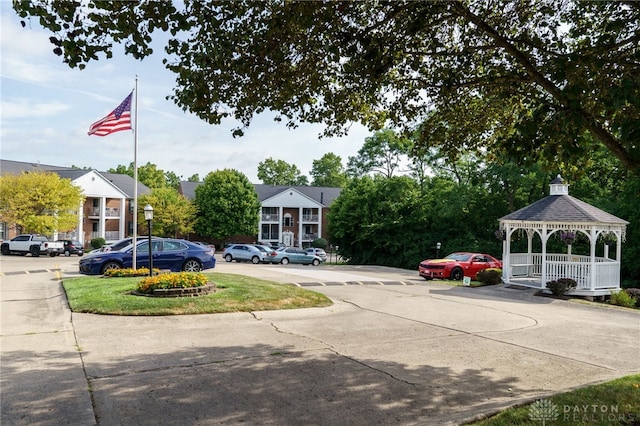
562, 286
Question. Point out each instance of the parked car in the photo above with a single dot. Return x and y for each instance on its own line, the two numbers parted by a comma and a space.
120, 244
72, 247
243, 253
457, 265
269, 252
208, 245
288, 255
34, 244
168, 253
317, 252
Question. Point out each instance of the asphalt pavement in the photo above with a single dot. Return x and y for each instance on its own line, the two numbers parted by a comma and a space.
392, 349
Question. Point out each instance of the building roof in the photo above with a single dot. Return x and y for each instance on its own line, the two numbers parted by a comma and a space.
124, 183
321, 194
562, 208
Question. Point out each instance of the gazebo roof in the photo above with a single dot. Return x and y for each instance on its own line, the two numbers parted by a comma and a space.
562, 208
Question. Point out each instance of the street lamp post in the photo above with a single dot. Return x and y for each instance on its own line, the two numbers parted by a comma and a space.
438, 245
148, 215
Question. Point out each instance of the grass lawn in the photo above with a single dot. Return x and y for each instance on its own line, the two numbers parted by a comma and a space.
235, 293
612, 403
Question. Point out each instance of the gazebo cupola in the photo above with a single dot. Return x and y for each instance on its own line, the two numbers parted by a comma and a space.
568, 218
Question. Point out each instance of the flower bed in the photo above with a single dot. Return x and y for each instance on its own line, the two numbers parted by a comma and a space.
175, 285
130, 272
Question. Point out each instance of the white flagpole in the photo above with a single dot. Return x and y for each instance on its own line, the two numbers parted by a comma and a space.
135, 179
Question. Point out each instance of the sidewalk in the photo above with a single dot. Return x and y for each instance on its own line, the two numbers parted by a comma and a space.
413, 353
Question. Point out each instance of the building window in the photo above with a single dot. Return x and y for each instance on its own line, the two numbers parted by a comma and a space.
3, 231
288, 220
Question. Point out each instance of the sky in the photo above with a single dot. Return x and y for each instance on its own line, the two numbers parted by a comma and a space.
47, 108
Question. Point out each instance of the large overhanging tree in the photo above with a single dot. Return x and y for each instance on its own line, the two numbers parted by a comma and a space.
530, 78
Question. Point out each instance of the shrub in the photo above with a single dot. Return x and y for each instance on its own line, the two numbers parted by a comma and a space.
129, 272
562, 286
96, 243
622, 298
320, 243
172, 280
490, 276
635, 293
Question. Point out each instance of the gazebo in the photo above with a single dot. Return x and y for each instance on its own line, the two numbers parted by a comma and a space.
563, 216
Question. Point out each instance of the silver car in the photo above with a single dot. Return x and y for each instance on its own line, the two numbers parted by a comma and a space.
243, 253
295, 255
317, 252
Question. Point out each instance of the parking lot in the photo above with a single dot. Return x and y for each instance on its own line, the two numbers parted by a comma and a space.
392, 349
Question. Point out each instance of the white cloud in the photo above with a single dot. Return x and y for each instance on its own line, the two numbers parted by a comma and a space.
21, 108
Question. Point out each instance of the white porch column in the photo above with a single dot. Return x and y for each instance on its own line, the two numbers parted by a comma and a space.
320, 222
300, 217
102, 216
123, 218
80, 231
280, 223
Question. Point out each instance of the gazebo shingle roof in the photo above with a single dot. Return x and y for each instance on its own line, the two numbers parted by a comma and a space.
563, 208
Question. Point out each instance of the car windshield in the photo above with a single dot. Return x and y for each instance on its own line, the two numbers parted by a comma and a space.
459, 256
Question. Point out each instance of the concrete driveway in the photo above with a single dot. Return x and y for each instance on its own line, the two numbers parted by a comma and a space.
393, 349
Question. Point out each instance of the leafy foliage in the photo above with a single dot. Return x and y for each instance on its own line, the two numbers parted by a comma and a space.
328, 171
96, 243
381, 153
279, 172
561, 286
490, 276
39, 202
227, 205
623, 298
150, 175
173, 213
533, 79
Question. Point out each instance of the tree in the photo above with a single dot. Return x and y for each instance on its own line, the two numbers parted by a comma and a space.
227, 205
328, 171
529, 77
279, 172
40, 202
173, 214
381, 153
150, 175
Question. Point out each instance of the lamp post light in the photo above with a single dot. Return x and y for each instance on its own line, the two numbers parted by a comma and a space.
148, 215
438, 245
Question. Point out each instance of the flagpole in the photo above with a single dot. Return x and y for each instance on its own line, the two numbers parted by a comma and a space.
135, 179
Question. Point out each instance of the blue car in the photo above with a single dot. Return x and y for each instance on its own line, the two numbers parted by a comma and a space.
172, 254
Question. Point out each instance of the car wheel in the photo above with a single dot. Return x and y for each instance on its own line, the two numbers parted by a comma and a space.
80, 253
5, 249
67, 253
255, 260
109, 266
427, 278
35, 251
315, 262
228, 258
456, 274
53, 254
192, 265
284, 261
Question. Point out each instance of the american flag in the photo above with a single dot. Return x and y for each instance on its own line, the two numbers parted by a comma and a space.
118, 119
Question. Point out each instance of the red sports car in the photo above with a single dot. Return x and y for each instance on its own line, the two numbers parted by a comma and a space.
457, 265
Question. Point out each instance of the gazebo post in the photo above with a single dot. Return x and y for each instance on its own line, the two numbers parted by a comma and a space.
592, 279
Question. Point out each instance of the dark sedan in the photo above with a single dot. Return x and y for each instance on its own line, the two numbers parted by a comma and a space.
172, 254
